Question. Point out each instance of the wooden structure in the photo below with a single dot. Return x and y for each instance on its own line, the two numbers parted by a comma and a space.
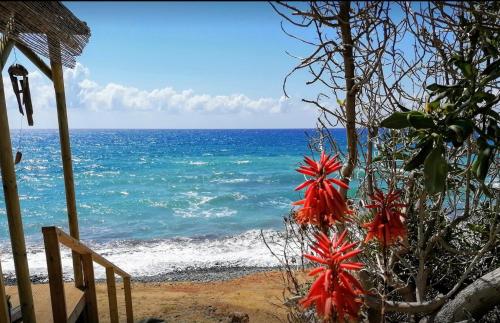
53, 237
50, 30
75, 299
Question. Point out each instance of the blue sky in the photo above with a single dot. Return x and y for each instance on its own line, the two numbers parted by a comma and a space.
178, 65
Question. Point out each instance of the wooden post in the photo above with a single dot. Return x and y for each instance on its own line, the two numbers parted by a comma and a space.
113, 304
4, 309
37, 61
54, 269
5, 48
13, 208
128, 299
90, 293
69, 184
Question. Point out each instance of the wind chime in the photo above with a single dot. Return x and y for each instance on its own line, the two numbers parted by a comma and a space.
20, 85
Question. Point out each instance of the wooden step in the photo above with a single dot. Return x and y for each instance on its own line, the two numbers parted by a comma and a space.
75, 301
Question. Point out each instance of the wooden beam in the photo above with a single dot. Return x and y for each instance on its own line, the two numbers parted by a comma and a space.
4, 309
80, 248
76, 314
128, 299
88, 256
54, 269
90, 292
113, 303
14, 211
69, 184
35, 59
6, 46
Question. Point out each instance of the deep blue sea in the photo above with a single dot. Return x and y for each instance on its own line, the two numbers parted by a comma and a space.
157, 200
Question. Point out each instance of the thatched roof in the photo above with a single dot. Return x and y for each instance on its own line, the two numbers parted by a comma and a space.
36, 23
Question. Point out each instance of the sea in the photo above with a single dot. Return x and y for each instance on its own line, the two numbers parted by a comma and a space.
157, 201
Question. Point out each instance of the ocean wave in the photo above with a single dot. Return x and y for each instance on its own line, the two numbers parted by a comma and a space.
28, 197
281, 203
230, 180
156, 257
242, 162
92, 173
30, 168
236, 196
197, 212
197, 163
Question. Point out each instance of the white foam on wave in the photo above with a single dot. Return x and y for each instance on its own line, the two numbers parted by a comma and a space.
230, 180
281, 203
242, 162
238, 196
151, 258
195, 212
30, 168
197, 208
197, 163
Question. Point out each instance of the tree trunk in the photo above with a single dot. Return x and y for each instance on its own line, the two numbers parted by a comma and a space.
351, 91
473, 301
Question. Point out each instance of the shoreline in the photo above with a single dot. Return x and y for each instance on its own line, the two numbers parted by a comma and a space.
203, 275
210, 295
190, 275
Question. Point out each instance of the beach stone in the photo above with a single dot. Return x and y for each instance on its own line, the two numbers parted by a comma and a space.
152, 320
239, 317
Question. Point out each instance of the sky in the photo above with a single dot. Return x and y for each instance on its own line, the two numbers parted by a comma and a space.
175, 65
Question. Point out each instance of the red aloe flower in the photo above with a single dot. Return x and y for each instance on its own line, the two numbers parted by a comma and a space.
335, 290
323, 204
388, 225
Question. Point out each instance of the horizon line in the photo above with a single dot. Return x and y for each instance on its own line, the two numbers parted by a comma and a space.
29, 129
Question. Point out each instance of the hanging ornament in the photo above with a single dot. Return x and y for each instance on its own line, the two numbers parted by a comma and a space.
19, 155
21, 86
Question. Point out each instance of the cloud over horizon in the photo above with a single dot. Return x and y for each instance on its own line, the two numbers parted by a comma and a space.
92, 105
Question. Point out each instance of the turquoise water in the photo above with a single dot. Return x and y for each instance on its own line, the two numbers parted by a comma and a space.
142, 191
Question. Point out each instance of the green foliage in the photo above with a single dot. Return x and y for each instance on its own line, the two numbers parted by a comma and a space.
457, 112
397, 120
435, 171
419, 158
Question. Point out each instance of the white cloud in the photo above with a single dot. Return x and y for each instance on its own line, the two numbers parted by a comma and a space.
112, 96
124, 104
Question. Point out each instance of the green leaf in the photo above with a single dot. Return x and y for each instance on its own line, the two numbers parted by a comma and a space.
467, 69
435, 171
402, 107
493, 131
432, 106
434, 87
420, 121
493, 68
460, 130
484, 96
482, 164
419, 158
397, 120
493, 114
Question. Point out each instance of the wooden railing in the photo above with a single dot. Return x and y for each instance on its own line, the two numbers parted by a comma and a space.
54, 236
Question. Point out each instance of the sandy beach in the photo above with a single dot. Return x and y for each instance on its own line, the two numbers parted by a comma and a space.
259, 295
208, 295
